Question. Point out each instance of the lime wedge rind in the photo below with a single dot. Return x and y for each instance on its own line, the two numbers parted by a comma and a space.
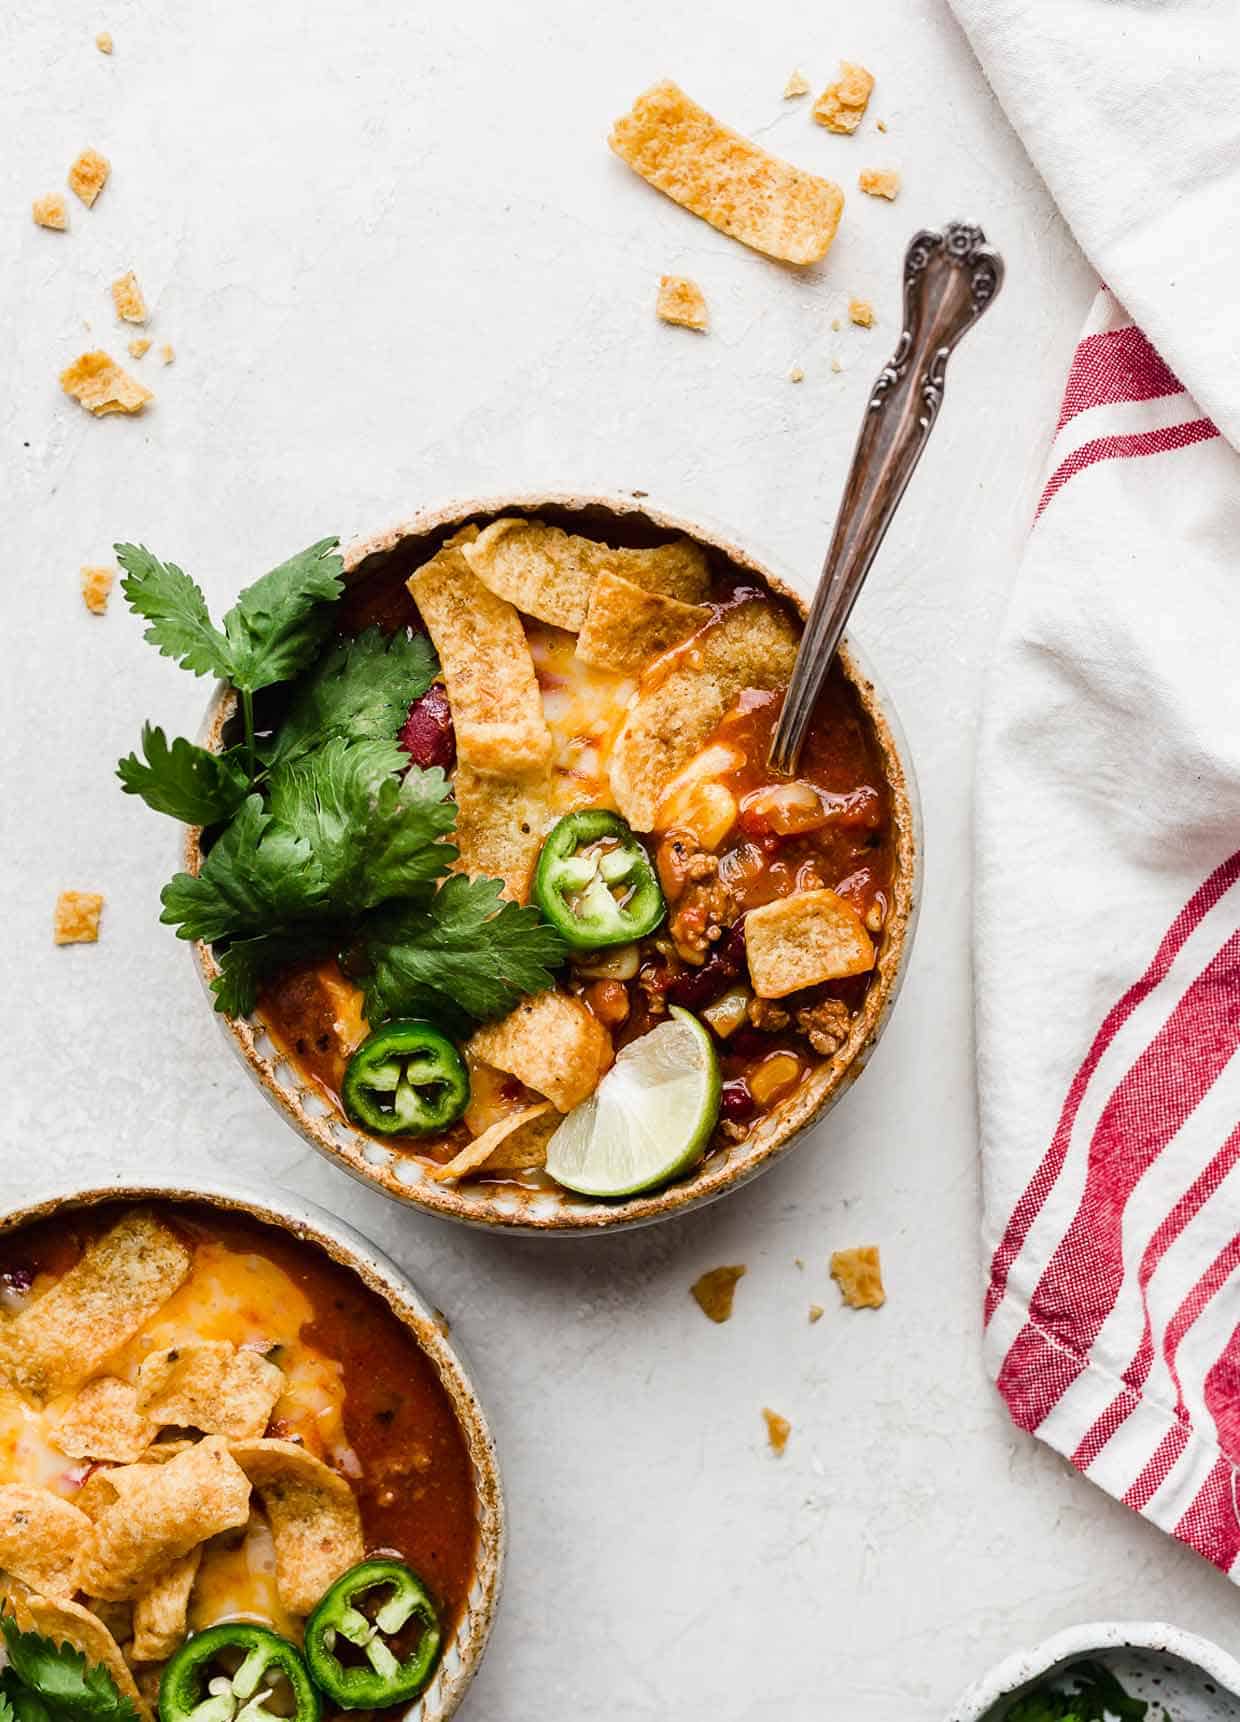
649, 1119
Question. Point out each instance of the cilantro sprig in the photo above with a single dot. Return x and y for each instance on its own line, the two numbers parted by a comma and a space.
1095, 1696
44, 1681
325, 840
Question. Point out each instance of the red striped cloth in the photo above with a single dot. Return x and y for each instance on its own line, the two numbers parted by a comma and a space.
1108, 952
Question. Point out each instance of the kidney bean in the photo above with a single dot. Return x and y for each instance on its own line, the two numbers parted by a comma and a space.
427, 734
736, 1102
696, 988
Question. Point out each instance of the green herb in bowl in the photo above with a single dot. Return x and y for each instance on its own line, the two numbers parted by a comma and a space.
1086, 1692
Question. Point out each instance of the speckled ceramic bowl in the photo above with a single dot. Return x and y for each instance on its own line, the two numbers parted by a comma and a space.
620, 520
463, 1653
1194, 1679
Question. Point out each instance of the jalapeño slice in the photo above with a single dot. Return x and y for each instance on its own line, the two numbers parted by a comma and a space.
595, 883
237, 1672
407, 1079
350, 1647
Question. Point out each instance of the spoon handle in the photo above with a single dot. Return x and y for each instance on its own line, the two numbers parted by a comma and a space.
949, 280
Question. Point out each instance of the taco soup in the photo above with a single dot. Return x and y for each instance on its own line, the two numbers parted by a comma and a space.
207, 1429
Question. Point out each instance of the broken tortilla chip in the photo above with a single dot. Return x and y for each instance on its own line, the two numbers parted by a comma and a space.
778, 1429
626, 626
102, 386
314, 1519
41, 1537
97, 586
752, 645
859, 1275
880, 182
500, 823
119, 1281
69, 1623
797, 85
715, 1291
726, 179
103, 1422
861, 312
551, 1043
841, 107
160, 1613
798, 941
209, 1384
127, 297
147, 1516
486, 663
513, 1144
682, 301
88, 175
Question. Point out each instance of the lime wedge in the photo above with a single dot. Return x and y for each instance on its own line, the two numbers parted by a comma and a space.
649, 1118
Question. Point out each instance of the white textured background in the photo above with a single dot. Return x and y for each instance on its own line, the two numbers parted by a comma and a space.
398, 263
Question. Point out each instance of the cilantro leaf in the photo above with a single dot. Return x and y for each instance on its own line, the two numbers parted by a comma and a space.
278, 624
176, 609
183, 780
70, 1688
1098, 1697
463, 954
372, 835
257, 878
361, 688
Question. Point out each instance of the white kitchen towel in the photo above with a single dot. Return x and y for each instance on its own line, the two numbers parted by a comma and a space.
1108, 793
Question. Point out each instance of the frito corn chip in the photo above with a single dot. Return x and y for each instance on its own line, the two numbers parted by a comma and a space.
726, 179
626, 627
68, 1622
97, 586
120, 1281
552, 1044
778, 1429
103, 1422
549, 573
486, 662
313, 1516
500, 824
797, 85
513, 1144
841, 107
880, 182
161, 1611
88, 175
861, 312
127, 297
41, 1537
209, 1384
714, 1292
75, 919
51, 211
102, 386
751, 646
139, 348
682, 301
801, 940
859, 1275
147, 1516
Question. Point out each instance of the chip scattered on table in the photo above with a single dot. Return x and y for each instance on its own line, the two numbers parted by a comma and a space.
51, 211
841, 106
166, 353
127, 297
99, 384
726, 179
140, 347
778, 1429
88, 175
97, 586
861, 312
103, 41
797, 85
682, 301
798, 941
796, 375
859, 1275
816, 1312
715, 1291
880, 182
836, 365
76, 917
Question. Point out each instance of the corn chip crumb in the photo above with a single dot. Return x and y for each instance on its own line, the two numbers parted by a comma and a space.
841, 106
166, 354
127, 297
796, 375
88, 175
880, 182
859, 1275
96, 587
51, 211
861, 312
103, 41
778, 1429
682, 301
140, 347
797, 85
76, 920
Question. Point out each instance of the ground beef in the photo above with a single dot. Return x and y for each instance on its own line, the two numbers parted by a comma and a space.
766, 1014
825, 1025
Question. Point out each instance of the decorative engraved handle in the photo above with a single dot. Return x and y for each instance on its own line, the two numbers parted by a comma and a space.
949, 280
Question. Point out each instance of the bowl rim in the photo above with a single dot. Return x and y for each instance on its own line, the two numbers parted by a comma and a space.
351, 1249
1022, 1668
299, 1101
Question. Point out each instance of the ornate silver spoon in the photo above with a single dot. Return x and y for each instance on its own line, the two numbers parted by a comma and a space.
949, 280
